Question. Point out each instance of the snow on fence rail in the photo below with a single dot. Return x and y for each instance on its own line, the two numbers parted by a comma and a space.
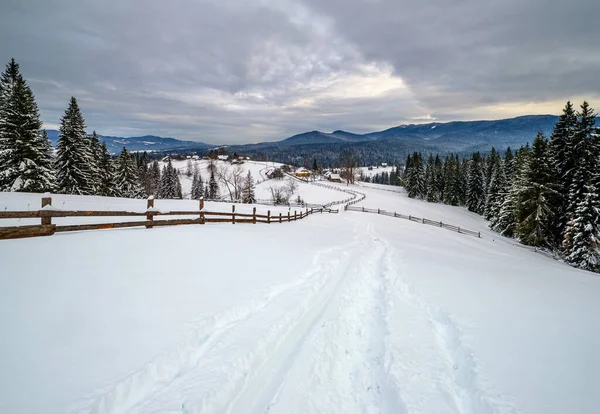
47, 212
421, 220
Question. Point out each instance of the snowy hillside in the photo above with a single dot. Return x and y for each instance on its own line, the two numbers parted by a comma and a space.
308, 193
337, 313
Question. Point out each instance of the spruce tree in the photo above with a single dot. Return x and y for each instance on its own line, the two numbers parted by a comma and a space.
197, 185
510, 211
153, 178
431, 188
106, 172
248, 190
584, 232
538, 193
439, 177
564, 161
96, 155
498, 191
25, 151
73, 171
475, 184
126, 178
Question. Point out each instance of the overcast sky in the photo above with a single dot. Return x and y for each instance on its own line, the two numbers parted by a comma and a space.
237, 71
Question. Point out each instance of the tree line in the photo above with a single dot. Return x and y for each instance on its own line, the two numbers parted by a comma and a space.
545, 195
81, 164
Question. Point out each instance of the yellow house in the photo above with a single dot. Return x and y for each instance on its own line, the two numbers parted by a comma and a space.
302, 172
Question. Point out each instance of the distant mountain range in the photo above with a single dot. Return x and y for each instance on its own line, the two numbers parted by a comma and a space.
458, 136
144, 143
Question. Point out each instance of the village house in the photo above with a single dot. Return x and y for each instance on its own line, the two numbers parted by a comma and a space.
302, 172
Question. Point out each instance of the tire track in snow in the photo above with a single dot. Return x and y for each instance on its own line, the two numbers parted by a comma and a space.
342, 364
204, 334
463, 385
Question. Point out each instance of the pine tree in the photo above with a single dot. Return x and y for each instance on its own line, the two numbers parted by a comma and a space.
197, 185
451, 181
492, 189
73, 172
538, 193
585, 150
431, 189
475, 184
126, 178
498, 192
248, 190
106, 185
509, 166
25, 151
439, 177
153, 179
564, 162
96, 155
206, 192
510, 211
584, 230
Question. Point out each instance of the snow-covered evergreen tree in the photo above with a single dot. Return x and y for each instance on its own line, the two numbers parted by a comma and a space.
126, 179
506, 223
538, 193
25, 151
475, 184
73, 171
492, 188
106, 173
452, 185
197, 185
496, 193
170, 186
248, 189
96, 156
430, 184
585, 243
153, 178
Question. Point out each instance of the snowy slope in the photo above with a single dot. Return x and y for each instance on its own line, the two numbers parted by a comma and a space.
345, 313
258, 169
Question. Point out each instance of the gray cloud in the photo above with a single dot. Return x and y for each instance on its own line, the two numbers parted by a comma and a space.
237, 71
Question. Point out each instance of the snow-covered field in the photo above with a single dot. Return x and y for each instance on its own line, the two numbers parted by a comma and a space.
346, 313
376, 170
309, 194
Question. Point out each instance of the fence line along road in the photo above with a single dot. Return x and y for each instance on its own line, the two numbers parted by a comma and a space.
421, 220
46, 228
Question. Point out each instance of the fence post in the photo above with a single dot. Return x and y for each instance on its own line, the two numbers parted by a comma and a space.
150, 216
46, 201
423, 220
201, 208
394, 214
289, 216
280, 217
363, 209
295, 218
233, 214
409, 217
479, 234
253, 215
377, 211
269, 217
440, 224
459, 229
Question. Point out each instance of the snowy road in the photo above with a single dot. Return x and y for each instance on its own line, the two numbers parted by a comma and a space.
351, 335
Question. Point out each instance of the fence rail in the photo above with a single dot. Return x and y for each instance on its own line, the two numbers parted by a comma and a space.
47, 213
421, 220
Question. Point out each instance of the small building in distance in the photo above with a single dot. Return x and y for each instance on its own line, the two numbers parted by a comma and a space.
302, 172
335, 178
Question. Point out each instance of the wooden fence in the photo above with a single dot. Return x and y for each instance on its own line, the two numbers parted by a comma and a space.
47, 213
421, 220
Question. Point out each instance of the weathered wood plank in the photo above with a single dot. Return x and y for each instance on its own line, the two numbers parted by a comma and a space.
18, 232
